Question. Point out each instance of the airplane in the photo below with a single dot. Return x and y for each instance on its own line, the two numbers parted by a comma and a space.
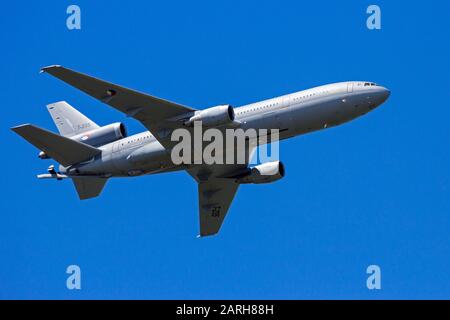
90, 154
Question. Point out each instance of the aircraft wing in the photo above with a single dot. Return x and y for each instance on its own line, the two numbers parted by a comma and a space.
217, 186
215, 197
159, 116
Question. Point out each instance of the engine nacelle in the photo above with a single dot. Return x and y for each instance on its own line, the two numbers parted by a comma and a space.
102, 135
264, 173
214, 116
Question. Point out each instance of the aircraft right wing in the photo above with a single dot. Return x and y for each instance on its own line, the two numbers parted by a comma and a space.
159, 116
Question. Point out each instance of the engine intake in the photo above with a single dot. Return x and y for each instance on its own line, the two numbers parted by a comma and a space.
264, 173
214, 116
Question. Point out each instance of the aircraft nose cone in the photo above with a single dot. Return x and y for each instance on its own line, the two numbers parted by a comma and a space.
382, 95
385, 92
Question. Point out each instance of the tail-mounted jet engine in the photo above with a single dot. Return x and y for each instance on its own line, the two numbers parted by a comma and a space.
102, 135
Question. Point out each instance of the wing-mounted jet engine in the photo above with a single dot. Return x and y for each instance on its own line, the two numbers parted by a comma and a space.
264, 173
215, 116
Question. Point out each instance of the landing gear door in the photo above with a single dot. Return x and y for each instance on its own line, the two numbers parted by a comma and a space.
350, 87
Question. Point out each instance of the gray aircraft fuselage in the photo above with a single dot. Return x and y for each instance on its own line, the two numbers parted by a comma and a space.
293, 114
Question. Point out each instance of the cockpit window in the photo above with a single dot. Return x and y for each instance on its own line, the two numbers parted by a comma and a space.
367, 84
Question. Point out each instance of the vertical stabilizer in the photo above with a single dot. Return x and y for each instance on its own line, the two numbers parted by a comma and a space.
69, 120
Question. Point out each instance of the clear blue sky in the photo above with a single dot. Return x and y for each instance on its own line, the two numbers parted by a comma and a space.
373, 191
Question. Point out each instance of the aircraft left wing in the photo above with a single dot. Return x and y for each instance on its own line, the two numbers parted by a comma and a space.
159, 116
215, 197
217, 186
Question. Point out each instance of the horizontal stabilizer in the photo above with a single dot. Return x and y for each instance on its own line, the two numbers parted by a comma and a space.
64, 150
89, 187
